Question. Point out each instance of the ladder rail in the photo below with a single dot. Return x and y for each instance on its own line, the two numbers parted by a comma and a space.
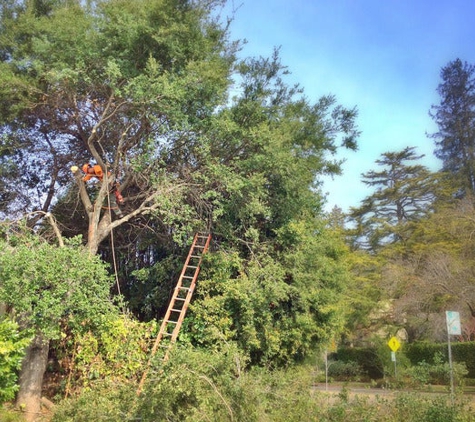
185, 301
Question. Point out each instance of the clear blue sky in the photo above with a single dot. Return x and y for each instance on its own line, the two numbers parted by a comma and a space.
382, 56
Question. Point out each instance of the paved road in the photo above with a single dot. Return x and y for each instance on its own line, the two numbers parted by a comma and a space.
364, 390
335, 389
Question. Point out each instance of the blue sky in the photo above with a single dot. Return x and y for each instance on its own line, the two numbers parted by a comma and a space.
382, 56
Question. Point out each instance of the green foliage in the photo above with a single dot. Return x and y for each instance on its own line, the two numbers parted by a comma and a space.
12, 349
144, 86
412, 407
277, 309
403, 194
49, 287
463, 353
192, 385
454, 117
432, 271
117, 351
10, 415
205, 386
345, 371
436, 372
363, 295
367, 358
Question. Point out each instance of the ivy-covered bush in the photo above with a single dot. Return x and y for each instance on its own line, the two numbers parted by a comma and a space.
117, 350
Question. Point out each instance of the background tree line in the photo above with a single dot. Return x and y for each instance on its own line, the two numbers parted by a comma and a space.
417, 226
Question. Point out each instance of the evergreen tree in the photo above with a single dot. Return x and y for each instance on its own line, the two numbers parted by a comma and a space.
403, 193
455, 118
142, 89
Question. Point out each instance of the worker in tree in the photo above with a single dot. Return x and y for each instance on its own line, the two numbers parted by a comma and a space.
90, 171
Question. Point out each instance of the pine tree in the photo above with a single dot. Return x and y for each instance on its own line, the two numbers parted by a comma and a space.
403, 193
455, 117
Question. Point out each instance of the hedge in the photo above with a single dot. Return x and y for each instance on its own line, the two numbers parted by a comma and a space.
368, 359
425, 351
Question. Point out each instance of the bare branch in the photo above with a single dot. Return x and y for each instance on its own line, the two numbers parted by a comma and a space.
82, 189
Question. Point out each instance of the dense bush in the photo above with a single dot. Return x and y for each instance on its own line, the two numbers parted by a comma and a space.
367, 358
214, 387
345, 371
425, 352
118, 351
437, 372
12, 350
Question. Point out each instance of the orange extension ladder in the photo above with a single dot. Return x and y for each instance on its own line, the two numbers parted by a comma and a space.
179, 302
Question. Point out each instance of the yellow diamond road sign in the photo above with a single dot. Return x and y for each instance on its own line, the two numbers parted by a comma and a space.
394, 344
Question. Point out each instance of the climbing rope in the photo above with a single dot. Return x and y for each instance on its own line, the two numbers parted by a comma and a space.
106, 180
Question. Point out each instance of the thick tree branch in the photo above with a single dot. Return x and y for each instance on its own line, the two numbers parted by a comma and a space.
82, 190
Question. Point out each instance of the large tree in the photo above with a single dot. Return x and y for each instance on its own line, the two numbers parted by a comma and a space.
122, 85
141, 89
403, 193
48, 288
435, 271
455, 118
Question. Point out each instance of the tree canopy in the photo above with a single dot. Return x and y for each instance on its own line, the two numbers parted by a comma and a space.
152, 93
404, 193
455, 118
136, 125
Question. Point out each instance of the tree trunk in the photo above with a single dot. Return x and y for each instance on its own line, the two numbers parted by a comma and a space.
31, 377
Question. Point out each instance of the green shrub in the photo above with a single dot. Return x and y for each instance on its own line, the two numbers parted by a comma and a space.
367, 359
10, 415
345, 371
117, 350
199, 385
437, 372
12, 350
425, 351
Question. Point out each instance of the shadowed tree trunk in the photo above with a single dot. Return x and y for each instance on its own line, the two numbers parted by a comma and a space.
34, 363
31, 377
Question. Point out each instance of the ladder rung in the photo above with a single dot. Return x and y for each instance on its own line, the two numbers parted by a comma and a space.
197, 249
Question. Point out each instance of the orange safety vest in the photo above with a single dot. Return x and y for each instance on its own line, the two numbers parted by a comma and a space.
92, 171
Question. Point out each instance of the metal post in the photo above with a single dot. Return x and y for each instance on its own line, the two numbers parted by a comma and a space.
326, 370
393, 358
452, 390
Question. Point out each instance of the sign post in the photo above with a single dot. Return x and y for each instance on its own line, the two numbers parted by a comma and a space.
394, 345
453, 328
